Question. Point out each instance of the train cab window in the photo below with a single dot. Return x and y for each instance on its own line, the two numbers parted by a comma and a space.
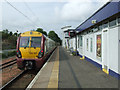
24, 41
35, 41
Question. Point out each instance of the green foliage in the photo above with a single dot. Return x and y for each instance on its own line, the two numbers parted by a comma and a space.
9, 39
54, 37
4, 56
41, 31
15, 34
51, 35
9, 54
11, 33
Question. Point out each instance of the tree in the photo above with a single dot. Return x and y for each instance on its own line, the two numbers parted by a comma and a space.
45, 33
41, 31
5, 34
15, 34
54, 37
9, 40
10, 33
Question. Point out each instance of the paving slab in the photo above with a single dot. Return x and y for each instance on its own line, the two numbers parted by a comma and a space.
76, 73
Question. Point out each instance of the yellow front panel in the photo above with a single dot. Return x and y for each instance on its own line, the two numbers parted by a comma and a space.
29, 52
31, 34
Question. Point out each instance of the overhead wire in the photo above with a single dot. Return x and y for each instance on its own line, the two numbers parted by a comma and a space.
30, 10
21, 13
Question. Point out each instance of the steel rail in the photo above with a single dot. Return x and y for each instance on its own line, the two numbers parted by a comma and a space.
7, 64
11, 81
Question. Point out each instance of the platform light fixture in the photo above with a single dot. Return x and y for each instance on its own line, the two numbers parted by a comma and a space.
94, 21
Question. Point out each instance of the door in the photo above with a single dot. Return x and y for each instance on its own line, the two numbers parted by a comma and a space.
105, 51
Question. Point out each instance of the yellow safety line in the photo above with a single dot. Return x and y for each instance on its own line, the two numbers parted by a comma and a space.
53, 82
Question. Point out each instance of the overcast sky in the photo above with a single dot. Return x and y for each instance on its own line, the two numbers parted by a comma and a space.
49, 15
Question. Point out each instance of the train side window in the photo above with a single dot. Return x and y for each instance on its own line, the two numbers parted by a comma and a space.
46, 50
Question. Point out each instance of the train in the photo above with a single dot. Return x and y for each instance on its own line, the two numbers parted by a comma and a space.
33, 49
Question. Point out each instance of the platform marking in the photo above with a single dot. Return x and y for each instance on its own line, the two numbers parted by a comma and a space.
53, 82
38, 74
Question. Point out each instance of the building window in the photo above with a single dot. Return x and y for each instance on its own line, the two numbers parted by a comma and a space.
95, 29
81, 41
91, 48
87, 44
112, 22
78, 42
100, 27
98, 46
119, 20
105, 25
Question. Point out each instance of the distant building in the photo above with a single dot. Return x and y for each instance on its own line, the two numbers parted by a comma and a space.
65, 41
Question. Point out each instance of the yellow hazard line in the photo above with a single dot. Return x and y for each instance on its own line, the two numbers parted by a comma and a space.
53, 82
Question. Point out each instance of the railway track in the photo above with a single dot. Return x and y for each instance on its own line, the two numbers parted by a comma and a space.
21, 81
8, 83
8, 64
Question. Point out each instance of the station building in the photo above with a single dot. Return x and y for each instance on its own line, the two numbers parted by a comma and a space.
98, 39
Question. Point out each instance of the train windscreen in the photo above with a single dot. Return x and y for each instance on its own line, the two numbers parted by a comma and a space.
35, 41
24, 41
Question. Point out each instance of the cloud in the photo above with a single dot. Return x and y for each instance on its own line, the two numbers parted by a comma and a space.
78, 10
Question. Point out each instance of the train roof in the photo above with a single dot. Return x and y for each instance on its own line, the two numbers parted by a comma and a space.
34, 34
31, 33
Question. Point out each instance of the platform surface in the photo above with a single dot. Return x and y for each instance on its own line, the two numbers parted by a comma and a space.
66, 71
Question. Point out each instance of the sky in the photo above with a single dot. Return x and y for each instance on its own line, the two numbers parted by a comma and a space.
46, 14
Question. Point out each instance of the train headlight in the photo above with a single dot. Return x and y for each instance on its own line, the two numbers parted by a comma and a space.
19, 54
41, 53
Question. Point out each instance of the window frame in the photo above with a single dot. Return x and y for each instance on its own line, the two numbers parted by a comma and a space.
114, 19
32, 41
28, 42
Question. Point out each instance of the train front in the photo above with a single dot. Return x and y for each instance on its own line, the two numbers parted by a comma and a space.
30, 51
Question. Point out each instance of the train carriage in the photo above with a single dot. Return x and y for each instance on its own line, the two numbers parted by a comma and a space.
33, 48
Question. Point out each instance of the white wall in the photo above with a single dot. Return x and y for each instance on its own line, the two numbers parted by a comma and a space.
80, 48
88, 53
119, 50
113, 49
72, 43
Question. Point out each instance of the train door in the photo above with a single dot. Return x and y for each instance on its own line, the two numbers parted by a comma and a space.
105, 50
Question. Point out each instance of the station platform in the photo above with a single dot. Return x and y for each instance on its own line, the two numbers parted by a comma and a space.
63, 70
